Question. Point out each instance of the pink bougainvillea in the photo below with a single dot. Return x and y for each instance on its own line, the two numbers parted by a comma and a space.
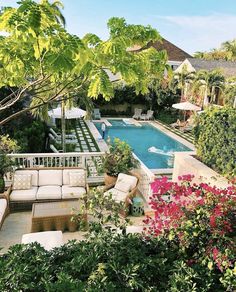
200, 218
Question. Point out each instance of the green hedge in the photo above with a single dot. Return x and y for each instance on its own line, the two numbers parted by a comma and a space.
215, 137
105, 263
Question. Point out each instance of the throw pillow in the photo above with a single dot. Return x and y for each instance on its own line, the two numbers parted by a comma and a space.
77, 179
22, 181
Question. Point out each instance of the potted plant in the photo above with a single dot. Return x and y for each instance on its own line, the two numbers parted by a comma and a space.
119, 159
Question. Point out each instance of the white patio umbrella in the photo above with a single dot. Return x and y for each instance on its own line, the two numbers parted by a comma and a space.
186, 106
61, 112
73, 113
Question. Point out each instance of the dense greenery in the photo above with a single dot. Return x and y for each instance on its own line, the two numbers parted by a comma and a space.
227, 52
215, 139
194, 250
46, 64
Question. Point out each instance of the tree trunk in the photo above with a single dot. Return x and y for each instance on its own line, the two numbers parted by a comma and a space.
63, 126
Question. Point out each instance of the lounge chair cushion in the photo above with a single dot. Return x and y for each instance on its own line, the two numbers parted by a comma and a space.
125, 182
48, 192
117, 195
50, 177
72, 192
3, 206
24, 195
22, 182
66, 172
48, 239
34, 175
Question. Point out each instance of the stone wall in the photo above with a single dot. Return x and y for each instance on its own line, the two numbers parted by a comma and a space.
186, 163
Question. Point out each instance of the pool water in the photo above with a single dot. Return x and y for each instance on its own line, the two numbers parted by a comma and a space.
141, 139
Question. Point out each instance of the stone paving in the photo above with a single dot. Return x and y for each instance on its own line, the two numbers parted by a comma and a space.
17, 224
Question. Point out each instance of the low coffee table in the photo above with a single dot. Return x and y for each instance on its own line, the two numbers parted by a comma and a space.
54, 216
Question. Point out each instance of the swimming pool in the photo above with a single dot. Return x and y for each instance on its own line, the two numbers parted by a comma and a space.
142, 138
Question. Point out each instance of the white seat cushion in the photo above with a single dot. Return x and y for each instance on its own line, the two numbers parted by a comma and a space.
34, 173
48, 239
48, 192
50, 177
24, 195
117, 195
72, 192
125, 182
3, 206
66, 178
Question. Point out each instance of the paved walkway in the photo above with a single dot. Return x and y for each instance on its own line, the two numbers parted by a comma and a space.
17, 224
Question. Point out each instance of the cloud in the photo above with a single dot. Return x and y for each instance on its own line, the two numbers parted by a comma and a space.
199, 32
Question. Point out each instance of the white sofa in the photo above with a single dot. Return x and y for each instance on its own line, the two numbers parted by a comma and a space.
47, 185
3, 209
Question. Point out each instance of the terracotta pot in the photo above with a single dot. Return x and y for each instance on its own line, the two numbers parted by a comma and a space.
109, 179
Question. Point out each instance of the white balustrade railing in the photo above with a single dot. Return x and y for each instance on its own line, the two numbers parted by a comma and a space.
92, 161
72, 159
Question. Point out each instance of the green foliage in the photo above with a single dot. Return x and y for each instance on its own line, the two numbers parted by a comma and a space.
101, 212
227, 52
32, 138
38, 56
7, 145
106, 262
119, 158
230, 92
215, 139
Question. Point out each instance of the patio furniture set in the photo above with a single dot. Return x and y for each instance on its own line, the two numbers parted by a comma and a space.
52, 194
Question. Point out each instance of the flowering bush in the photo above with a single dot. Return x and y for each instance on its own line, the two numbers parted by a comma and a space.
201, 220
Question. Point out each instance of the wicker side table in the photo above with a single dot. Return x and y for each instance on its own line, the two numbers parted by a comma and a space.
54, 216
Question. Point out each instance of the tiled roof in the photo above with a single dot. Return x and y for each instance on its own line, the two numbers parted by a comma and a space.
228, 68
174, 53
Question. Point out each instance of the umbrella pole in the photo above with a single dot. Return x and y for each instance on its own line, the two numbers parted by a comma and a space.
63, 126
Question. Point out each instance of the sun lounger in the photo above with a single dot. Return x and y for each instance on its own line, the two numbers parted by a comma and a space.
96, 114
148, 116
137, 113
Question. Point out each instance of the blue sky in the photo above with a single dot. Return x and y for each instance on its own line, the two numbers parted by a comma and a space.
193, 25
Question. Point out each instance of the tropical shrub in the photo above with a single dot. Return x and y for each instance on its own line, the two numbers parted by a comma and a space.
32, 138
119, 158
215, 139
201, 221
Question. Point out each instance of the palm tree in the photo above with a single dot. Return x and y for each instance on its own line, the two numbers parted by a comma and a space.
230, 47
182, 81
211, 83
199, 55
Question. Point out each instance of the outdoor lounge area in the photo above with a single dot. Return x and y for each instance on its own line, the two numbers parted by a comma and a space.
117, 146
